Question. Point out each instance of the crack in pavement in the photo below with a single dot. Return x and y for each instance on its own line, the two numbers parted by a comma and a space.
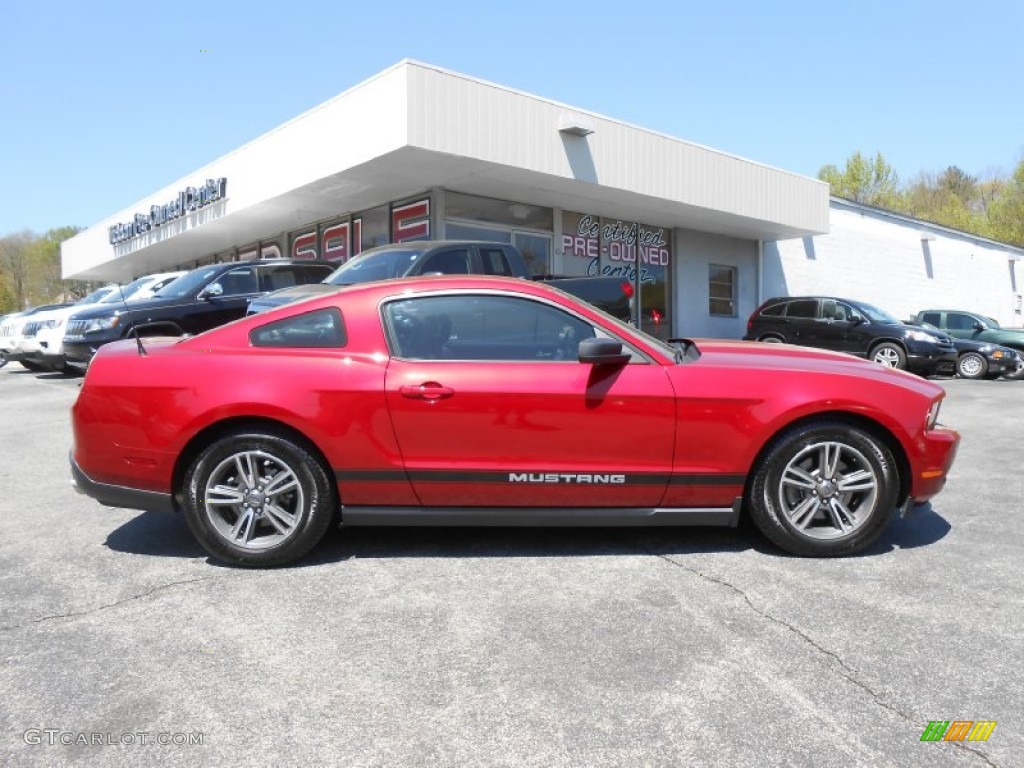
108, 606
845, 669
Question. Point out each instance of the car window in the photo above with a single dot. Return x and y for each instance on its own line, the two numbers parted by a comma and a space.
323, 328
775, 310
835, 310
454, 262
956, 321
802, 308
286, 275
483, 328
239, 281
495, 262
931, 318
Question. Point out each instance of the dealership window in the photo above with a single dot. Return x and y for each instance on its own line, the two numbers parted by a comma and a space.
507, 212
722, 291
375, 227
639, 253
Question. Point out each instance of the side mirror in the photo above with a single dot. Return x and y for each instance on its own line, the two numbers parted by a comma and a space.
212, 291
602, 352
856, 319
979, 326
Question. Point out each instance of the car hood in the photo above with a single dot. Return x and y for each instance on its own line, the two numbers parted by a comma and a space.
789, 357
106, 310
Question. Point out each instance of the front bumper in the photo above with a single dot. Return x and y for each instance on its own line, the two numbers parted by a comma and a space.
936, 450
117, 495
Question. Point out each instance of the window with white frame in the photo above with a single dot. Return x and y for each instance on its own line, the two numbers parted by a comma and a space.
721, 291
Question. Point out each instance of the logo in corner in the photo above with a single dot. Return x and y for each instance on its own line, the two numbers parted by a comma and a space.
958, 730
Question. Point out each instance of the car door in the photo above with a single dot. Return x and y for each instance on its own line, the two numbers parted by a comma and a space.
801, 322
221, 300
491, 407
960, 325
839, 328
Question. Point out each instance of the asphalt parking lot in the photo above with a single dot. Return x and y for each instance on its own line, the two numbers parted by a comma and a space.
507, 648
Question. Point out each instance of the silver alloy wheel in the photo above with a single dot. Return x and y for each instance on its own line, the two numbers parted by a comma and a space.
887, 356
254, 500
828, 490
971, 366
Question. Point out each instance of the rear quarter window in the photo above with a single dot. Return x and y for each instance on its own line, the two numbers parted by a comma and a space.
320, 329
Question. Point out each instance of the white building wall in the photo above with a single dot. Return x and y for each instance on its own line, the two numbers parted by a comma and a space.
693, 254
898, 264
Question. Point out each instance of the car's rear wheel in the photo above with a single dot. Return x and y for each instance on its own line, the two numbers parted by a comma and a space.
890, 355
824, 490
771, 339
258, 499
971, 365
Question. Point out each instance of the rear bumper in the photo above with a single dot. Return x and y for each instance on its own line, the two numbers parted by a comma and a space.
117, 495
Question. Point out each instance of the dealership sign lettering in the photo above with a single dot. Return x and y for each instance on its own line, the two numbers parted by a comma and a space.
188, 200
626, 245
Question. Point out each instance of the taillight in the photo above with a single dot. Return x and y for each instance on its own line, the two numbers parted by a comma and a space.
627, 288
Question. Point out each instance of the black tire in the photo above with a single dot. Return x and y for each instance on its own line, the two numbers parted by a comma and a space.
971, 365
1018, 374
251, 524
34, 367
890, 355
772, 339
806, 511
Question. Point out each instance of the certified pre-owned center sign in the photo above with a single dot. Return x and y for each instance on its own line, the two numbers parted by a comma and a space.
188, 200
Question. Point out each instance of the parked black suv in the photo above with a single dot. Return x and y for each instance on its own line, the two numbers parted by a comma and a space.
198, 301
849, 326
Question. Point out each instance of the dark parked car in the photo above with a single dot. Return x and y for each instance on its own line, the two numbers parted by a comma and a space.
974, 327
454, 257
845, 325
203, 299
981, 360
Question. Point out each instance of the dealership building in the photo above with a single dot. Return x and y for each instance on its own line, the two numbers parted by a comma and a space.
418, 152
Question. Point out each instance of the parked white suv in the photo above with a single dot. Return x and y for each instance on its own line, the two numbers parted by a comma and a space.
46, 349
11, 330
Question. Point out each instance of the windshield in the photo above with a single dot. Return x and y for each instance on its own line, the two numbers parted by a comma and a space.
116, 296
876, 315
188, 285
991, 322
95, 296
375, 265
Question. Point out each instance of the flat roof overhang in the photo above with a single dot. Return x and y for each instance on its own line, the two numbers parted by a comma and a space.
426, 133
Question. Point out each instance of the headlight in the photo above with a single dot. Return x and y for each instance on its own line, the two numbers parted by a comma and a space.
933, 415
922, 336
101, 324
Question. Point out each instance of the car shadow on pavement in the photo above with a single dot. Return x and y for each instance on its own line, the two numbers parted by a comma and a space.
159, 534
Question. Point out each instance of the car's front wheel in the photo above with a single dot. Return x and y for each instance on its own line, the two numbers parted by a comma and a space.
890, 355
258, 499
971, 365
1018, 372
824, 490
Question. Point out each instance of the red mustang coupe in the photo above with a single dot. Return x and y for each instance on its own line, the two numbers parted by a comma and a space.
494, 401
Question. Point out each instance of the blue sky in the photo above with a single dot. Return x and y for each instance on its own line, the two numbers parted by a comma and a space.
106, 102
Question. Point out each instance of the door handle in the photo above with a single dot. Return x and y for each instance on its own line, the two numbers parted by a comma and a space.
429, 390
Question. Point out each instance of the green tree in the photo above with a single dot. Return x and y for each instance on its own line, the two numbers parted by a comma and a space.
1006, 211
864, 180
